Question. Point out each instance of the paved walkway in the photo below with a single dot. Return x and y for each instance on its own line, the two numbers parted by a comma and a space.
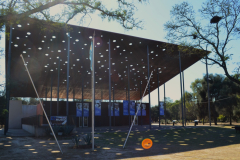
80, 130
15, 133
154, 126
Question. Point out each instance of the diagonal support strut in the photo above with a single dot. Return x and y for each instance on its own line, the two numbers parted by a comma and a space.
138, 109
41, 103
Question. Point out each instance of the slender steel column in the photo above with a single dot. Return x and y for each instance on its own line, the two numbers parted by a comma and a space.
140, 99
93, 91
158, 98
68, 56
109, 71
181, 87
51, 95
149, 97
73, 95
164, 104
126, 94
58, 86
184, 98
113, 108
82, 100
129, 116
209, 111
46, 94
8, 85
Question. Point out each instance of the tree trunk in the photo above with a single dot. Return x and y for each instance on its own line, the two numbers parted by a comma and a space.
230, 116
203, 121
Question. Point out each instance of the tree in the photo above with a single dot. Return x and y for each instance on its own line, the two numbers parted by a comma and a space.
15, 10
174, 109
3, 111
227, 100
186, 30
154, 113
33, 101
223, 94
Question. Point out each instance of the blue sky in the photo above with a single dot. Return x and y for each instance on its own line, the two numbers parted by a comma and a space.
155, 14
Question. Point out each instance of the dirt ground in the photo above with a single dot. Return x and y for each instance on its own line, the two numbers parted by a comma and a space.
186, 143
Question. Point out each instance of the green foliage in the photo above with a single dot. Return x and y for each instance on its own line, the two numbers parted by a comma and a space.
223, 96
154, 113
87, 139
123, 13
3, 110
67, 129
221, 117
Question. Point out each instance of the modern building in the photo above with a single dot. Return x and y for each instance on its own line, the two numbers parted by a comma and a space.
59, 62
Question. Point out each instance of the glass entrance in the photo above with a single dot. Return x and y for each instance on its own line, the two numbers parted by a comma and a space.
83, 121
136, 120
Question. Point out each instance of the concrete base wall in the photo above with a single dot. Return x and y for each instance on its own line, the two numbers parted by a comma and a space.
37, 131
15, 114
29, 110
17, 111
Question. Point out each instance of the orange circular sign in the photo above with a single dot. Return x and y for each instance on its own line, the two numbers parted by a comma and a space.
147, 143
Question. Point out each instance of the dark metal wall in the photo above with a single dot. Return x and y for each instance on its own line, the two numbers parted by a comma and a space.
102, 120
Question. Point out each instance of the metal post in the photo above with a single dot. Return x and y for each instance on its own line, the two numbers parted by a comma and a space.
8, 85
46, 94
164, 103
158, 97
113, 108
184, 98
129, 116
51, 95
126, 94
181, 86
68, 56
93, 91
82, 100
209, 111
58, 86
149, 98
109, 71
73, 94
141, 98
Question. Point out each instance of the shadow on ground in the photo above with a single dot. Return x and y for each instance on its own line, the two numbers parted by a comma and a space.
165, 142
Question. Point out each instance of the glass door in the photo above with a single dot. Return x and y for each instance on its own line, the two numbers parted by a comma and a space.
80, 121
85, 121
136, 120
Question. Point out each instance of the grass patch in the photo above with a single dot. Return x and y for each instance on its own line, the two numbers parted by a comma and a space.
194, 138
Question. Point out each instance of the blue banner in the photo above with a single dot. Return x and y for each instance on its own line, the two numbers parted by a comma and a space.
139, 110
97, 107
161, 105
125, 108
85, 109
78, 109
116, 107
132, 107
111, 110
58, 120
143, 109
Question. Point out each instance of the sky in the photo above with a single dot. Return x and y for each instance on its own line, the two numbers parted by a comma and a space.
154, 14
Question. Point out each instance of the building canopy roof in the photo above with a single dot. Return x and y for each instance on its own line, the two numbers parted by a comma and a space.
43, 46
